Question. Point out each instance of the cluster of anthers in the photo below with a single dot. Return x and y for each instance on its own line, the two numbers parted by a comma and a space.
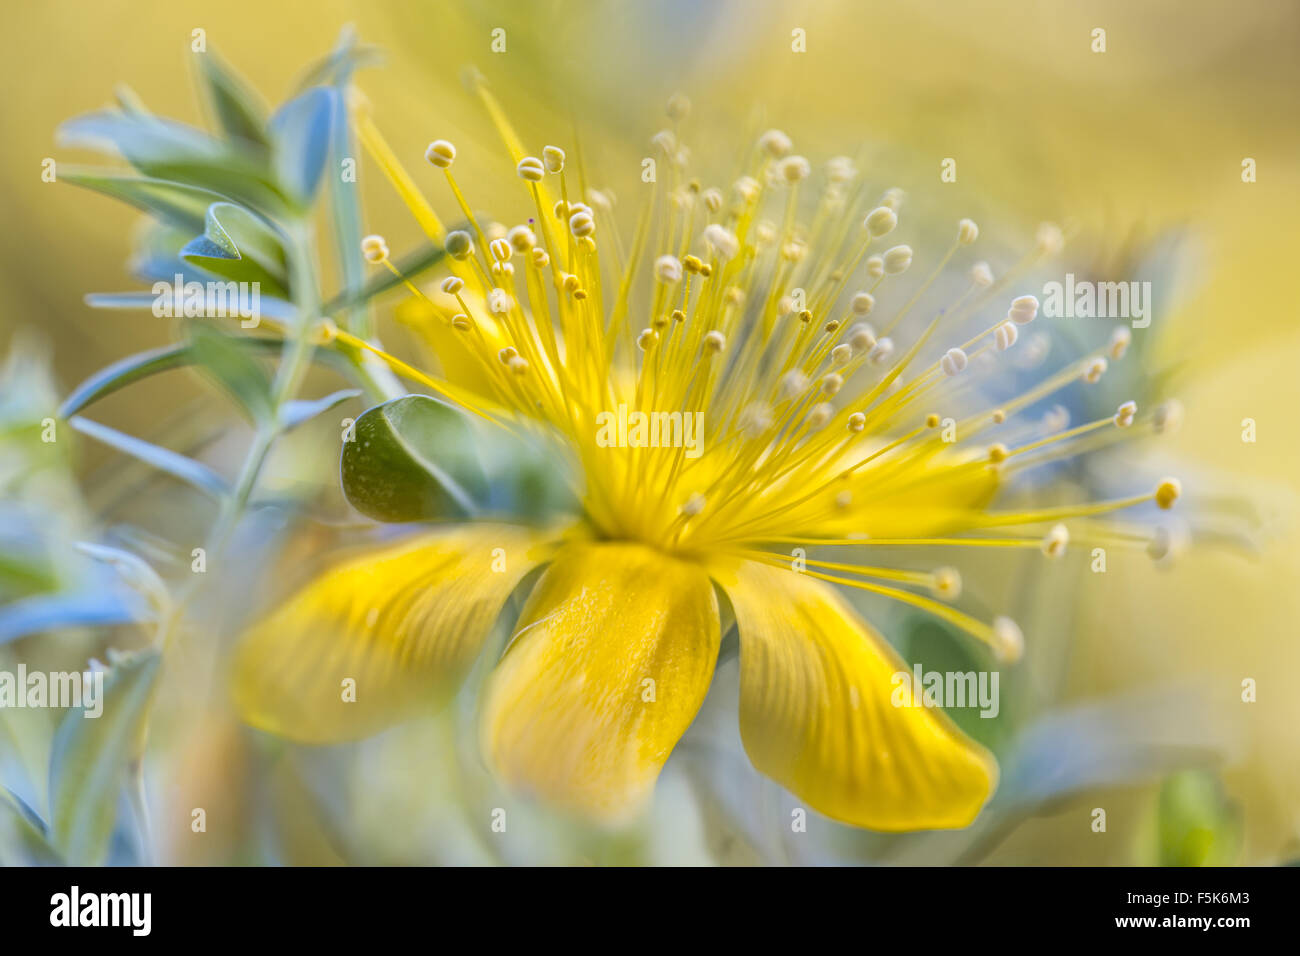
823, 424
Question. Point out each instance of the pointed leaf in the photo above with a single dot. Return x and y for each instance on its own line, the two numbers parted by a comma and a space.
65, 609
234, 370
269, 307
345, 206
339, 63
122, 373
300, 136
240, 246
133, 368
174, 203
163, 149
177, 465
239, 111
295, 413
134, 571
89, 757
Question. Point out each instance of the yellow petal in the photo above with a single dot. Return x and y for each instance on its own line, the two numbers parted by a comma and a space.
403, 624
816, 712
612, 659
458, 363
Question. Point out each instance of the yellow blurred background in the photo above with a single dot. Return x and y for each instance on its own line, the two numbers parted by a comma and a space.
1149, 136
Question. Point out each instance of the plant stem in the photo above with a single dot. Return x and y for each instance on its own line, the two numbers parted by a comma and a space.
294, 361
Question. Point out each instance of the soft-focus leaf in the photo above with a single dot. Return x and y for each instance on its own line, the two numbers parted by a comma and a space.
300, 136
133, 368
239, 111
178, 466
295, 413
411, 459
1121, 741
129, 101
27, 814
51, 612
270, 307
175, 203
163, 149
33, 832
26, 565
344, 195
232, 368
346, 57
89, 758
1196, 823
134, 571
122, 373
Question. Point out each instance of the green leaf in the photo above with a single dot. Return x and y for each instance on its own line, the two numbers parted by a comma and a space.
1197, 824
122, 373
240, 246
270, 307
295, 413
171, 202
129, 101
239, 111
134, 571
335, 67
163, 149
65, 609
89, 757
134, 368
300, 132
412, 459
33, 832
178, 466
234, 370
345, 201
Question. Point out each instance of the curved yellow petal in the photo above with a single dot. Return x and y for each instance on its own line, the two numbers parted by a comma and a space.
613, 656
817, 712
402, 625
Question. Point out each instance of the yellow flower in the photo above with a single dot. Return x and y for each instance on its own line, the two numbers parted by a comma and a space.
729, 406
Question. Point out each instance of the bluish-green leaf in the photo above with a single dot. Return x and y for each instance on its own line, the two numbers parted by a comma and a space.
129, 101
412, 459
163, 149
295, 413
33, 832
334, 68
300, 136
134, 571
345, 201
270, 307
89, 757
234, 370
124, 372
65, 609
174, 203
240, 112
177, 465
134, 368
240, 246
